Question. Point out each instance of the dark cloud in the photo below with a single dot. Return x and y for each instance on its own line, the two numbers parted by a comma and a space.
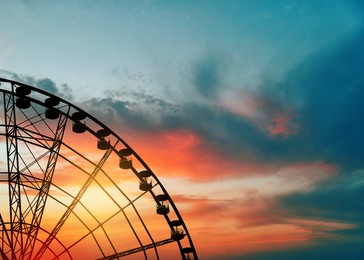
136, 110
336, 200
66, 92
46, 84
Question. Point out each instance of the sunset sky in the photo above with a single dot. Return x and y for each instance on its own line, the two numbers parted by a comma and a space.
250, 112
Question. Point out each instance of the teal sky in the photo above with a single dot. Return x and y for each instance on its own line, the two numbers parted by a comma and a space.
271, 90
153, 44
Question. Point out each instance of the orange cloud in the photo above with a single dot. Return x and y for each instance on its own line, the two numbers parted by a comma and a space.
182, 152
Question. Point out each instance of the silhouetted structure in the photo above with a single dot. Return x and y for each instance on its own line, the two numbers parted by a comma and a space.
41, 163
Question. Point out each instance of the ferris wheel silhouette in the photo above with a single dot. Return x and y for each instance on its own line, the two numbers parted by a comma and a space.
71, 188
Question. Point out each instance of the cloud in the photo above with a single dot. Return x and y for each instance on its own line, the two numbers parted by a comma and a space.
64, 91
254, 200
135, 110
333, 212
224, 132
273, 119
320, 221
330, 200
48, 85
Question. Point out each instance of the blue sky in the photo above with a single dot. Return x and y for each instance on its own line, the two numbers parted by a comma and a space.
272, 88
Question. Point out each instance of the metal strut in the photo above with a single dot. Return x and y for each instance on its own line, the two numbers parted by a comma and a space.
14, 181
73, 204
137, 249
42, 196
4, 230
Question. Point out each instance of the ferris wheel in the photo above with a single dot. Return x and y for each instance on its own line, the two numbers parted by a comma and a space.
71, 188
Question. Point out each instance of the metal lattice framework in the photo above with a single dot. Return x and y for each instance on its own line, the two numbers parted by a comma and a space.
69, 187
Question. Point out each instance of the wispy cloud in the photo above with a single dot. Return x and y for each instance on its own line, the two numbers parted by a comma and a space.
64, 90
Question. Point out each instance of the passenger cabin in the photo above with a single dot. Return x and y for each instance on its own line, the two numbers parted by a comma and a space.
102, 144
162, 204
145, 183
78, 126
125, 162
51, 112
177, 231
187, 251
22, 101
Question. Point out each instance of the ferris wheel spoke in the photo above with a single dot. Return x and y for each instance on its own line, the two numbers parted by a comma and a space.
3, 254
100, 224
7, 237
129, 204
95, 180
137, 249
90, 231
50, 249
80, 219
73, 204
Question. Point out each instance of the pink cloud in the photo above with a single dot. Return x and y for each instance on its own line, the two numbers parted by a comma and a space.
282, 125
243, 103
271, 118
